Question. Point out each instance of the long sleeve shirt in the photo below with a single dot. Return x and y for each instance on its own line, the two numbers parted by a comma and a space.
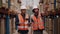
17, 20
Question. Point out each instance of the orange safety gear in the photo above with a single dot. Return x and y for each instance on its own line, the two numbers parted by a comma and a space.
37, 23
23, 23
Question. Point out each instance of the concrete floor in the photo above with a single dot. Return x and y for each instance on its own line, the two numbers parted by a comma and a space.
30, 31
44, 32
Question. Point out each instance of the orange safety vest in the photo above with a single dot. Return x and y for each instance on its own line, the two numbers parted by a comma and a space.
23, 23
38, 23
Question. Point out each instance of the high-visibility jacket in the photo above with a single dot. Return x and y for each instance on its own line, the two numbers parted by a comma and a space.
37, 23
23, 23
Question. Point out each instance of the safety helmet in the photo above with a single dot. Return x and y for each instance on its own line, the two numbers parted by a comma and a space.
35, 6
23, 7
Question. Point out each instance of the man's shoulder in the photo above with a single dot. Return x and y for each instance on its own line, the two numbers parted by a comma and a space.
32, 15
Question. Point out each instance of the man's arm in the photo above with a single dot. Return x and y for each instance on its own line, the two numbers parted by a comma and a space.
17, 20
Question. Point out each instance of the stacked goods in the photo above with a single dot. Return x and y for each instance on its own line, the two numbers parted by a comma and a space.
59, 3
2, 26
49, 14
50, 32
59, 25
0, 3
41, 7
50, 26
45, 14
52, 22
59, 22
5, 3
56, 22
55, 25
10, 25
13, 25
5, 11
58, 12
47, 25
14, 7
2, 20
52, 4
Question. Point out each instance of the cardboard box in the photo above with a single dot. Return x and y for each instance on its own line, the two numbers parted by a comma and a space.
2, 26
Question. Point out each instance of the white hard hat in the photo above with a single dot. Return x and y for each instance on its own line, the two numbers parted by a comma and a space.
35, 6
23, 7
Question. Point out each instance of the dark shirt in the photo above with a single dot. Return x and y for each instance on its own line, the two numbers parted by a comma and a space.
17, 23
17, 20
32, 19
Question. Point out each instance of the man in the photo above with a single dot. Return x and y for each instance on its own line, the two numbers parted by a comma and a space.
23, 19
36, 20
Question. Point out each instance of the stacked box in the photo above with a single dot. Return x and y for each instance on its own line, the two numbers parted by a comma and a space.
13, 25
0, 3
51, 6
47, 25
5, 3
41, 8
2, 26
59, 25
55, 25
50, 32
58, 3
50, 26
10, 26
14, 7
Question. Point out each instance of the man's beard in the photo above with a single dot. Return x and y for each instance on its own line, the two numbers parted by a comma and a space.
36, 14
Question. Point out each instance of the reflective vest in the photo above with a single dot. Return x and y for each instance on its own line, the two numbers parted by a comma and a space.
37, 23
23, 23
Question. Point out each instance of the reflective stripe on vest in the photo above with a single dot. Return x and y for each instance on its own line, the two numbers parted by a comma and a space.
23, 23
38, 23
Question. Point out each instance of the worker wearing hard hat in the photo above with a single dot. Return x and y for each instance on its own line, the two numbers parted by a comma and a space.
36, 20
23, 21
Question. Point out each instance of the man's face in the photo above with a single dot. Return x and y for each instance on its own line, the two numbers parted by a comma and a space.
36, 10
23, 11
